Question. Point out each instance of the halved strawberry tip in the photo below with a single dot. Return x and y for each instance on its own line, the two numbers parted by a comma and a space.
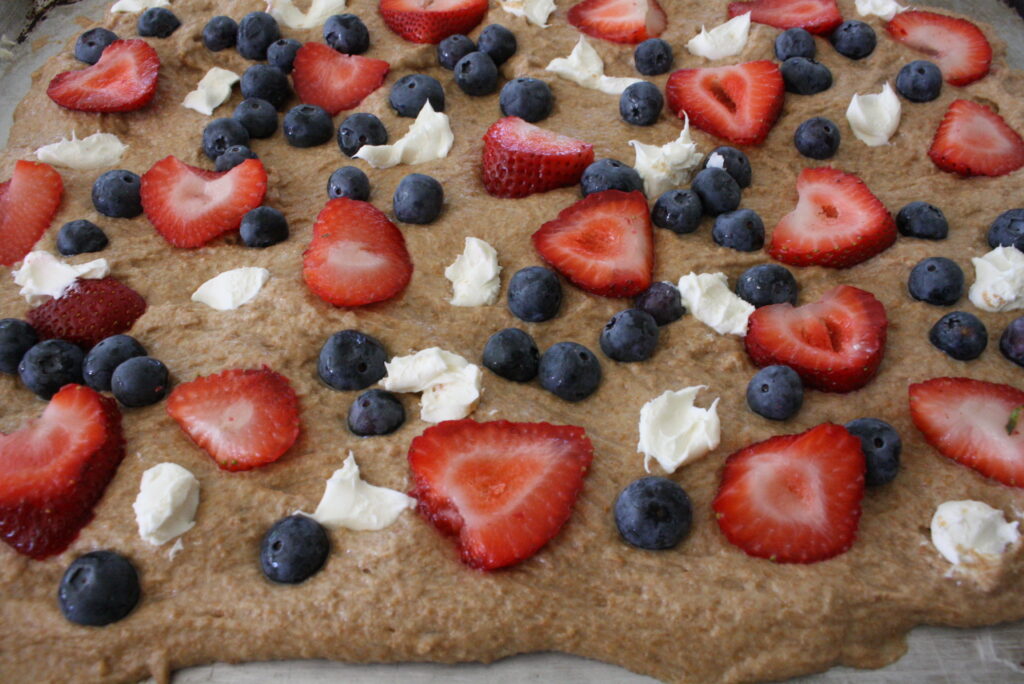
619, 21
336, 82
814, 16
973, 140
956, 46
28, 203
91, 310
431, 21
124, 79
520, 159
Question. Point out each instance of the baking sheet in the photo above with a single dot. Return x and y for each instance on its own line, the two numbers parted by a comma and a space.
937, 655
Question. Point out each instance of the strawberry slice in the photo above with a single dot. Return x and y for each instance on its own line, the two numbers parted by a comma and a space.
326, 78
739, 103
793, 498
835, 344
91, 310
190, 206
431, 21
502, 489
357, 256
603, 243
814, 16
54, 470
123, 80
619, 21
242, 418
957, 46
28, 203
520, 159
972, 140
975, 423
837, 222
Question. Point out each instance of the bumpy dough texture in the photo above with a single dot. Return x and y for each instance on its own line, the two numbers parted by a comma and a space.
703, 612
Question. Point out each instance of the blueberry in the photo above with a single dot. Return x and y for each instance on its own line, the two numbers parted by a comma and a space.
158, 22
881, 445
662, 301
960, 334
294, 549
91, 44
610, 174
50, 365
733, 161
717, 190
476, 74
220, 134
263, 227
919, 81
351, 360
220, 33
281, 54
742, 230
853, 39
307, 125
922, 220
140, 381
358, 130
653, 57
418, 199
1011, 343
497, 42
349, 181
16, 338
80, 237
258, 116
805, 76
653, 513
411, 92
766, 284
528, 98
817, 138
266, 83
775, 392
794, 42
534, 294
101, 361
256, 32
630, 336
512, 354
640, 104
936, 280
569, 371
98, 588
678, 210
453, 48
347, 33
233, 156
375, 412
116, 194
1007, 230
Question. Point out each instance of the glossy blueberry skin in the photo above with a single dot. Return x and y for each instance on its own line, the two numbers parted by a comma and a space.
16, 338
263, 227
453, 48
281, 54
349, 181
678, 210
534, 294
775, 393
922, 220
418, 199
498, 42
351, 360
1007, 230
653, 513
1011, 342
50, 365
960, 334
411, 92
653, 57
258, 116
735, 163
610, 174
375, 412
101, 361
80, 237
528, 98
919, 81
804, 76
220, 33
347, 33
742, 230
256, 32
881, 445
640, 104
98, 589
116, 194
854, 39
232, 157
766, 284
91, 44
266, 82
140, 381
794, 42
476, 74
360, 129
512, 354
220, 134
294, 549
717, 190
662, 301
630, 336
157, 22
307, 125
936, 280
570, 371
817, 138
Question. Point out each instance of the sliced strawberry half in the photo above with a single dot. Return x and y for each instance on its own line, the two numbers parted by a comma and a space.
603, 243
738, 103
54, 470
835, 344
837, 222
619, 21
123, 80
329, 79
975, 423
357, 256
793, 498
502, 489
190, 206
431, 21
91, 310
242, 418
814, 16
972, 140
28, 203
957, 46
520, 159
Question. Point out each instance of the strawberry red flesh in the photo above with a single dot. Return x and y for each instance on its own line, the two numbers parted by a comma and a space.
431, 21
956, 46
619, 21
28, 203
123, 80
91, 310
973, 140
520, 159
814, 16
336, 82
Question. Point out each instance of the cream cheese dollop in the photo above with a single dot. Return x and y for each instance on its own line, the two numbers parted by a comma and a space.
998, 280
534, 11
724, 40
875, 117
666, 166
966, 532
91, 152
291, 16
886, 9
709, 299
584, 66
43, 276
231, 289
213, 90
673, 431
450, 384
352, 503
166, 505
475, 275
137, 5
430, 137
